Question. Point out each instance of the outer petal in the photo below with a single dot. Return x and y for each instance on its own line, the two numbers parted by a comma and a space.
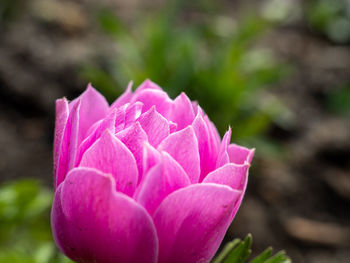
223, 157
155, 125
148, 84
233, 175
110, 155
124, 98
207, 153
93, 223
69, 144
93, 108
214, 134
158, 98
62, 112
183, 147
162, 180
230, 174
182, 111
239, 154
134, 138
191, 222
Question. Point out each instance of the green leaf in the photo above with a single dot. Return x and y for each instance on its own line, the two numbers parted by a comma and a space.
280, 257
263, 256
227, 250
238, 251
241, 253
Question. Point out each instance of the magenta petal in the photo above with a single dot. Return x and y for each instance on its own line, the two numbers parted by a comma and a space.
215, 139
62, 112
239, 154
182, 111
172, 126
148, 84
233, 175
106, 124
160, 181
93, 223
191, 222
207, 153
150, 157
69, 144
132, 113
223, 157
230, 174
109, 155
120, 117
134, 138
155, 125
154, 97
93, 108
183, 147
124, 98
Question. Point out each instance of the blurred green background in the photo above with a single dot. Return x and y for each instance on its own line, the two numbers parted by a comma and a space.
277, 71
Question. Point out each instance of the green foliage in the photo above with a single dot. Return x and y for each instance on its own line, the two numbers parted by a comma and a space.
331, 17
238, 251
213, 59
25, 235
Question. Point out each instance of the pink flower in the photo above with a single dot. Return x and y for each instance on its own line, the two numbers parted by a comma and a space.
146, 179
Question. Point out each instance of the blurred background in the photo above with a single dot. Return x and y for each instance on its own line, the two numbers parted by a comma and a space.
277, 71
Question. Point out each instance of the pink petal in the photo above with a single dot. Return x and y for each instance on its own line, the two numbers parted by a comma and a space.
207, 153
158, 98
155, 125
106, 124
223, 157
230, 174
127, 115
124, 98
109, 155
172, 127
132, 113
183, 147
195, 107
233, 175
69, 144
160, 181
93, 223
134, 138
148, 84
239, 154
62, 112
93, 108
182, 111
215, 139
150, 157
191, 222
120, 117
